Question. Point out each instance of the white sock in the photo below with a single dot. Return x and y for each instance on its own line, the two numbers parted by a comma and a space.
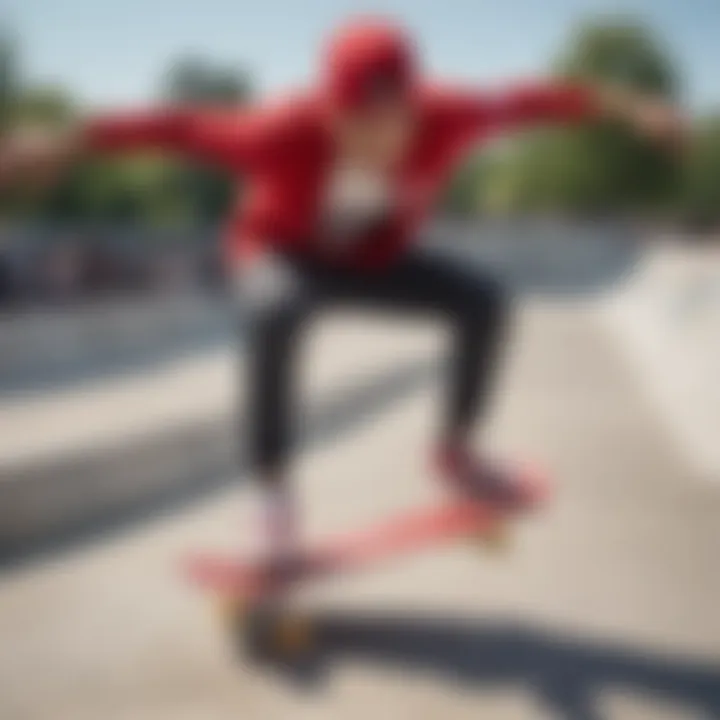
279, 531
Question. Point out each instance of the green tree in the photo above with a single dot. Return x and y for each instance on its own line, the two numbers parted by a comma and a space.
602, 166
8, 77
622, 51
461, 197
123, 190
197, 82
8, 92
43, 105
700, 202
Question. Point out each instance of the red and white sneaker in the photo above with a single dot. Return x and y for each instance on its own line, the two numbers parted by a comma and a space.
513, 488
279, 531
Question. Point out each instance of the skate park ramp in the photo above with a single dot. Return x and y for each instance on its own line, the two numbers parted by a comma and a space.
666, 317
605, 607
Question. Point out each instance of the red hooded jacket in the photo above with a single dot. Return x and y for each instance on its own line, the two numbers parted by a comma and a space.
285, 153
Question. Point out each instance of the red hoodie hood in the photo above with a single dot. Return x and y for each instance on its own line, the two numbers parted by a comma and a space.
366, 61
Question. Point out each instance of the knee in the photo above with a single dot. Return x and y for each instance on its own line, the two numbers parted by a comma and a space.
486, 303
274, 321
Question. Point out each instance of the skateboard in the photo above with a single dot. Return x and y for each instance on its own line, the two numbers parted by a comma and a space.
251, 598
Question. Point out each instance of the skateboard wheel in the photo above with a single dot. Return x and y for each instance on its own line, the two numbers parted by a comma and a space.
292, 635
277, 634
497, 539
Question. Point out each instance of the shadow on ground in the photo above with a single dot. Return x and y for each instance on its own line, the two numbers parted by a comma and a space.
567, 673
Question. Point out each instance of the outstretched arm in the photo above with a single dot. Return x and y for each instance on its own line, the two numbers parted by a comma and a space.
541, 103
234, 140
230, 139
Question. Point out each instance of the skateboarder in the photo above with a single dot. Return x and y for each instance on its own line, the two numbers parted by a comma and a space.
339, 180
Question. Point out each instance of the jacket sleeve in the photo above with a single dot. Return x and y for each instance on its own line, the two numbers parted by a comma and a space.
231, 139
542, 104
523, 106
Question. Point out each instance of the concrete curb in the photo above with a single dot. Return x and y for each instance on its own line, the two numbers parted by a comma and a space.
51, 496
41, 349
55, 494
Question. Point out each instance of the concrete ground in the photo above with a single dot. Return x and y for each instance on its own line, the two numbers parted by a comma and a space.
667, 318
606, 608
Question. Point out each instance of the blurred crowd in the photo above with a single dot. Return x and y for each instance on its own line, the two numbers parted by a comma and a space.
42, 267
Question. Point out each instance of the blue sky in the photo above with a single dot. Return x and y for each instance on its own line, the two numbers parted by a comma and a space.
114, 52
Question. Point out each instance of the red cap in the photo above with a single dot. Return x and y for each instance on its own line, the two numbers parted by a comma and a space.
366, 61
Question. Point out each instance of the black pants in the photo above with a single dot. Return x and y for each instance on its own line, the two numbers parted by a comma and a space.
285, 293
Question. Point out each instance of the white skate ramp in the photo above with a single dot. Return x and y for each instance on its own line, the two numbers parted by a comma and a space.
667, 317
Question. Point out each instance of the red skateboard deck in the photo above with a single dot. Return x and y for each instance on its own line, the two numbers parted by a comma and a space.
392, 538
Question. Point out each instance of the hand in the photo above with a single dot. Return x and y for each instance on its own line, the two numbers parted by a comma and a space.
35, 156
659, 121
653, 117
